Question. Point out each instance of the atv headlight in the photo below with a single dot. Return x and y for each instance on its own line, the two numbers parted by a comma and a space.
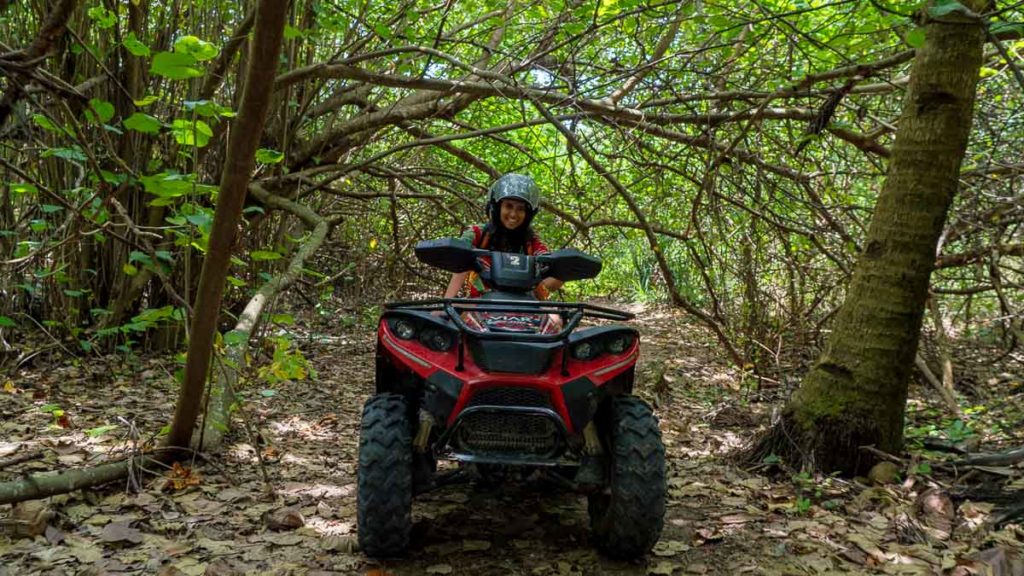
585, 351
438, 340
404, 329
618, 343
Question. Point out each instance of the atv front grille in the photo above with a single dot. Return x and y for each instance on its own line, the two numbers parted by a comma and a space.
511, 396
507, 432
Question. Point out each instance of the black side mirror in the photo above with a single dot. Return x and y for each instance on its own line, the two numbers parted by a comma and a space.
451, 254
570, 264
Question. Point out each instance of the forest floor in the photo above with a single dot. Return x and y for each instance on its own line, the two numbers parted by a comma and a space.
294, 512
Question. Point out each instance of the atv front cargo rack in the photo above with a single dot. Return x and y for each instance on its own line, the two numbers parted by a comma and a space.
572, 313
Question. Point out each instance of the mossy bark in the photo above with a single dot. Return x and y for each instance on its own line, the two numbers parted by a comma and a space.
856, 393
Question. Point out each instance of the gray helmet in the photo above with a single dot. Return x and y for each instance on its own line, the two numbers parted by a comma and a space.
515, 186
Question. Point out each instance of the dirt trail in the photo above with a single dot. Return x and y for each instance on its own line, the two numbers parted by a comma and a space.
221, 519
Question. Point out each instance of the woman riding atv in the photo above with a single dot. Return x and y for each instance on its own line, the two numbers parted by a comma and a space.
512, 202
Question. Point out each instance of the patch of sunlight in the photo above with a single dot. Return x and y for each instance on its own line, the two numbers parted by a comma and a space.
290, 458
242, 452
318, 490
330, 527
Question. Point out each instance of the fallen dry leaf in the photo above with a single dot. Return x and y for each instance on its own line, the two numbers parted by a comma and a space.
30, 518
285, 519
120, 532
475, 545
662, 568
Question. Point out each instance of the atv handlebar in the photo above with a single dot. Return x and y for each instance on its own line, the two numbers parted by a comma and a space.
507, 270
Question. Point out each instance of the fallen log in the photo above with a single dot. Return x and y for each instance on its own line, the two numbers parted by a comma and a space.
1004, 458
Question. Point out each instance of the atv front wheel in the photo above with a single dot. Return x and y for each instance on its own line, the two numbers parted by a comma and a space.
384, 498
627, 517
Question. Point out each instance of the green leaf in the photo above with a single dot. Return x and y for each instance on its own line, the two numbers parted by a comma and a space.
142, 123
100, 430
146, 101
268, 156
291, 32
285, 319
175, 65
47, 124
134, 46
6, 322
23, 188
264, 255
236, 337
946, 7
208, 109
51, 208
268, 393
916, 37
101, 110
191, 133
129, 269
201, 50
138, 256
1007, 28
237, 282
104, 18
167, 185
74, 153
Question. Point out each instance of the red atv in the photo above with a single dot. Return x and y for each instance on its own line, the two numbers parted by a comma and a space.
494, 384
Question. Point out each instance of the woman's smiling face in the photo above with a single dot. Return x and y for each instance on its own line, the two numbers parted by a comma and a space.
513, 213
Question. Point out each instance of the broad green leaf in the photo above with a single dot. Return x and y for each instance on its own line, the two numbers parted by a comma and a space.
201, 50
207, 108
47, 124
142, 123
175, 65
986, 72
268, 393
51, 208
134, 46
137, 256
101, 110
946, 7
235, 337
167, 185
1007, 28
23, 188
286, 319
104, 18
6, 322
268, 156
291, 32
129, 269
145, 101
236, 281
264, 255
191, 133
74, 153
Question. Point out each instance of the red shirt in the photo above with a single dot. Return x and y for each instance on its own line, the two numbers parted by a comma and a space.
478, 236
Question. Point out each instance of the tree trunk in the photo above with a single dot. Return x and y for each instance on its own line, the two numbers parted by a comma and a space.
245, 138
856, 393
